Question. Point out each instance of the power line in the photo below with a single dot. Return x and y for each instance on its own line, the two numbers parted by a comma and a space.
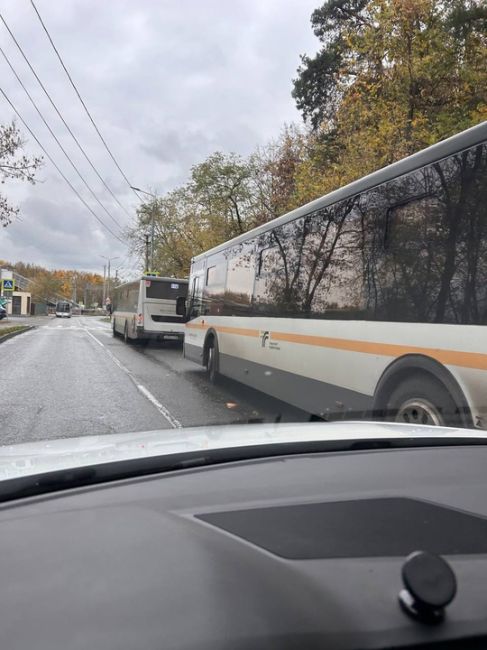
57, 140
61, 117
58, 169
81, 100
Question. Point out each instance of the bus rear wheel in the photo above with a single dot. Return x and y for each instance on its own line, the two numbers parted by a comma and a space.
212, 360
422, 400
114, 329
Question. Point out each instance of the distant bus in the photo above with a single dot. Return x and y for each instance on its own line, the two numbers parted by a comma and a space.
370, 301
63, 309
146, 308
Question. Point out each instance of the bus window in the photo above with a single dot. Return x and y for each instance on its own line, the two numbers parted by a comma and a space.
164, 290
240, 278
195, 307
214, 289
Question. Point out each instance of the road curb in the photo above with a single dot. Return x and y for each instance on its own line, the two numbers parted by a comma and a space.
10, 335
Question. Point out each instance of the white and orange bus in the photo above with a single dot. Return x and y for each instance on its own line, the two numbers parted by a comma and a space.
371, 300
146, 309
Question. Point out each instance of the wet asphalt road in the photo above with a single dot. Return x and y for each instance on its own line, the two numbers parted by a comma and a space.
70, 377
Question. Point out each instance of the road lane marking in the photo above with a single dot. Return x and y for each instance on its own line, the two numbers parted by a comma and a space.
174, 422
160, 407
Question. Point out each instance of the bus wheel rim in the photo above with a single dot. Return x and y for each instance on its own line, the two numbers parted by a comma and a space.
419, 411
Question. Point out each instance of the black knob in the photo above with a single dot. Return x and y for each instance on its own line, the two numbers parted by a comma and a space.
430, 585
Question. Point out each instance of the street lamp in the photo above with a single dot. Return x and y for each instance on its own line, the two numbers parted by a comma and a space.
137, 189
154, 196
109, 259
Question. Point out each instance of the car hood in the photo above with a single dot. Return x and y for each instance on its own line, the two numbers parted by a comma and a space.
50, 455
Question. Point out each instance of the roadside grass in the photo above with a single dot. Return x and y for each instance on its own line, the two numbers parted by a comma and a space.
105, 319
12, 328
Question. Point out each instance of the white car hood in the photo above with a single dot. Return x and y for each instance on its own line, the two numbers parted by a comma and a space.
35, 458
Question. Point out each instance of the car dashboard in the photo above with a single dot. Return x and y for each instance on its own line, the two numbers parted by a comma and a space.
293, 551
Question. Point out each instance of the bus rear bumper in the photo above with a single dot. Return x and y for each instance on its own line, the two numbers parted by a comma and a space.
143, 334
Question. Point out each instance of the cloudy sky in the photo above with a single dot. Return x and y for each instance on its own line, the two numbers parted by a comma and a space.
167, 81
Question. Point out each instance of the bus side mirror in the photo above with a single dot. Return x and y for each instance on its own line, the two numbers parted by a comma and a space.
181, 306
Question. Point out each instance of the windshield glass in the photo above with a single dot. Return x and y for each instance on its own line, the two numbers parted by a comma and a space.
165, 289
243, 217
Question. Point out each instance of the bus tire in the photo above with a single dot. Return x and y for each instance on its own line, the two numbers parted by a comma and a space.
212, 360
114, 329
126, 333
422, 399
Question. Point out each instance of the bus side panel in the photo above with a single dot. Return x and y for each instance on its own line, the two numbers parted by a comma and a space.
194, 340
309, 394
273, 355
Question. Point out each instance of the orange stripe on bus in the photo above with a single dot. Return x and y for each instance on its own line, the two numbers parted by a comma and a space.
197, 326
237, 330
447, 357
241, 331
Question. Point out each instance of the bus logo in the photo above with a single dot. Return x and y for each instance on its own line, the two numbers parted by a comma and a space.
264, 337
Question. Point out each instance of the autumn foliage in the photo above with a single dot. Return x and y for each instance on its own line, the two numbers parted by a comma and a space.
60, 283
390, 78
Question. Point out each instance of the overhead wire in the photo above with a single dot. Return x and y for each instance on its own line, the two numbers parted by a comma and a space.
70, 131
53, 162
85, 182
82, 101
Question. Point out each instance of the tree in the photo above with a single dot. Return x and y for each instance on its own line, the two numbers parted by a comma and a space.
179, 232
274, 168
45, 287
391, 77
218, 202
321, 80
416, 64
222, 188
14, 165
410, 73
59, 283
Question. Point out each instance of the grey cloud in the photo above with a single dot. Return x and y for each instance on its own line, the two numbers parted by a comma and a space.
167, 82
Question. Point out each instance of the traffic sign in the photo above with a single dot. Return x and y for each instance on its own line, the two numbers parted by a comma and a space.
8, 285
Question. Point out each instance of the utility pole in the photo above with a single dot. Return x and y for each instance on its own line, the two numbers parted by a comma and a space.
104, 284
152, 232
147, 251
75, 290
152, 240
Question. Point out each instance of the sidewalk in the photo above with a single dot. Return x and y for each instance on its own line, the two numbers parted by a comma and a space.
24, 320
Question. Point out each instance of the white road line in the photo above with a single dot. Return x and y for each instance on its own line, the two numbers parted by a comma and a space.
162, 409
176, 424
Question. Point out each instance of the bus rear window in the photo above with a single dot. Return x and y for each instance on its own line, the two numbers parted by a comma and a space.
165, 290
